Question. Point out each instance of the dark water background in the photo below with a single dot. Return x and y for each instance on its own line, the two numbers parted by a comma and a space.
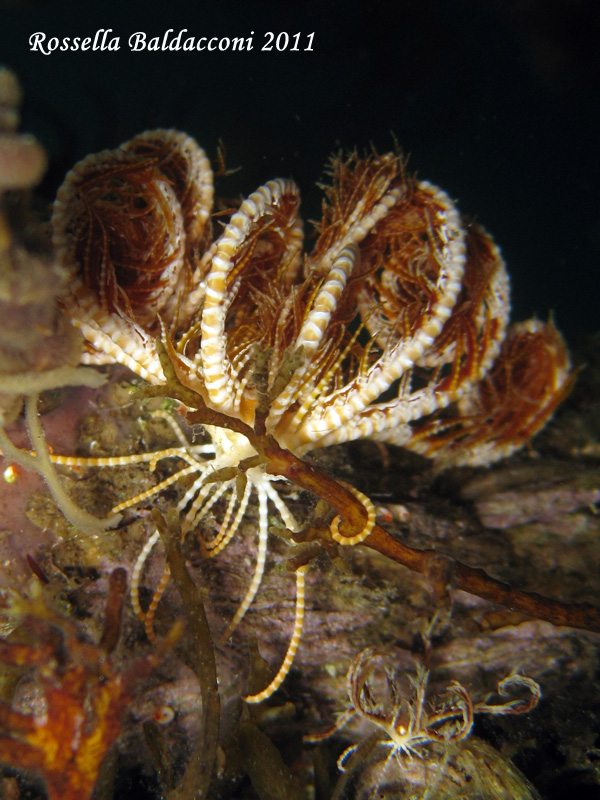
496, 101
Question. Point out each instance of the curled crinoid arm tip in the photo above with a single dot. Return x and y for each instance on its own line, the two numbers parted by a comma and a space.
334, 528
454, 720
345, 756
528, 693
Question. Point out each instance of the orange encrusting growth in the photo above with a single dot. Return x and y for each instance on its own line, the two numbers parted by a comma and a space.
85, 700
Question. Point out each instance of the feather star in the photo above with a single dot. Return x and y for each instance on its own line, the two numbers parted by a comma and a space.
394, 327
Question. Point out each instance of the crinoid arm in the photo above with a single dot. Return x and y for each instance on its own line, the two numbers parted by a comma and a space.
530, 377
528, 696
292, 646
259, 566
127, 224
402, 311
265, 221
265, 492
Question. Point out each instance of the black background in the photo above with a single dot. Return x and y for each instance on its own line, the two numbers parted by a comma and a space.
494, 100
